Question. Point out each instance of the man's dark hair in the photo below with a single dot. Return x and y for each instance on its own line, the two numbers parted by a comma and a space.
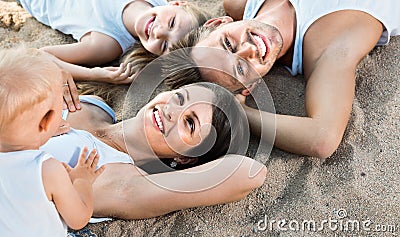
178, 67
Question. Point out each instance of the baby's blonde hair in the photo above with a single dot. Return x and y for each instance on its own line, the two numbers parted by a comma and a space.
26, 79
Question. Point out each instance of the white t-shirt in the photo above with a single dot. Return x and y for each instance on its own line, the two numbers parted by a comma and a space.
67, 147
25, 208
78, 17
308, 11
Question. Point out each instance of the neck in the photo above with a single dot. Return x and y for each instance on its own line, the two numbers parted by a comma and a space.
282, 15
131, 141
19, 143
131, 13
11, 148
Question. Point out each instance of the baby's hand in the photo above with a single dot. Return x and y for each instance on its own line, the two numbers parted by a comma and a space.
113, 75
85, 168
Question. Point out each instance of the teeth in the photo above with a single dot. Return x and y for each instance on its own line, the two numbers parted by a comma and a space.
149, 27
158, 119
261, 44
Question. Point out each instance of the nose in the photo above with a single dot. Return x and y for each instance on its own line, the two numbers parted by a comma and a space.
172, 111
247, 51
160, 32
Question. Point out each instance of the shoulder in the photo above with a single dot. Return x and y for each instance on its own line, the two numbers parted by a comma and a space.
51, 167
54, 176
350, 38
235, 9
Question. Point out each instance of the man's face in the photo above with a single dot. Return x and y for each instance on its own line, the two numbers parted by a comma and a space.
248, 49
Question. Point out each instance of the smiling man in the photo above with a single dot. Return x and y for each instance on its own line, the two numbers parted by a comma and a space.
324, 40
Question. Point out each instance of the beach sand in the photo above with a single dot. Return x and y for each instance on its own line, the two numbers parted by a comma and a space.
358, 184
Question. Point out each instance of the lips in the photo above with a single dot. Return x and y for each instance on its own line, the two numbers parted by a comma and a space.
262, 45
157, 120
149, 26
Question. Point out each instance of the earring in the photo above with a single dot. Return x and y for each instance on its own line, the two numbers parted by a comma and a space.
173, 164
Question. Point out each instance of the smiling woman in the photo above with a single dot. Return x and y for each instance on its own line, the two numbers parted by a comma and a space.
192, 126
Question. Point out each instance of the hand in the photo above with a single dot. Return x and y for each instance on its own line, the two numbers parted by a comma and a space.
71, 97
113, 75
85, 168
63, 128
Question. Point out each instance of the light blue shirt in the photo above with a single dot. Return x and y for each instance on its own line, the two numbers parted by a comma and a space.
67, 147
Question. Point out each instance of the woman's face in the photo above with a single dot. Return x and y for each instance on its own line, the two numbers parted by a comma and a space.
160, 27
176, 121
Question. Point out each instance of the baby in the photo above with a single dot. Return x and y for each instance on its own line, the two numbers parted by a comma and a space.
39, 196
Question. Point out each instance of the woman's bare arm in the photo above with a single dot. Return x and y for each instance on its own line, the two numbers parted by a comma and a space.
123, 192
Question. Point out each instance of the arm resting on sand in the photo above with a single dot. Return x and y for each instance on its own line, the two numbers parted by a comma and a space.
331, 56
124, 193
93, 49
113, 75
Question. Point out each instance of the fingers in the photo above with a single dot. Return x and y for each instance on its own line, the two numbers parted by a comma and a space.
70, 94
74, 93
92, 162
82, 156
93, 159
122, 76
66, 166
128, 80
99, 170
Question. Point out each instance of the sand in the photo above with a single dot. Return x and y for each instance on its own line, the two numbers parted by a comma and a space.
358, 184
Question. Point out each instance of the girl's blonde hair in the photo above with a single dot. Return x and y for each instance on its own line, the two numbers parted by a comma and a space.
139, 57
26, 79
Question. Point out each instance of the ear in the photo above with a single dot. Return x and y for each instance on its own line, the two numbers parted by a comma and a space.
249, 89
186, 161
218, 21
46, 121
178, 3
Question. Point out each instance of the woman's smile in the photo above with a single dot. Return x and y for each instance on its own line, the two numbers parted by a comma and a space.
158, 120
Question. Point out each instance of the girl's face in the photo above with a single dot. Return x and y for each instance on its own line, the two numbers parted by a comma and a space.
174, 121
160, 27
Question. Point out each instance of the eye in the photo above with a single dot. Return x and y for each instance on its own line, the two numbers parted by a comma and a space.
228, 44
180, 98
239, 68
190, 124
172, 23
164, 46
